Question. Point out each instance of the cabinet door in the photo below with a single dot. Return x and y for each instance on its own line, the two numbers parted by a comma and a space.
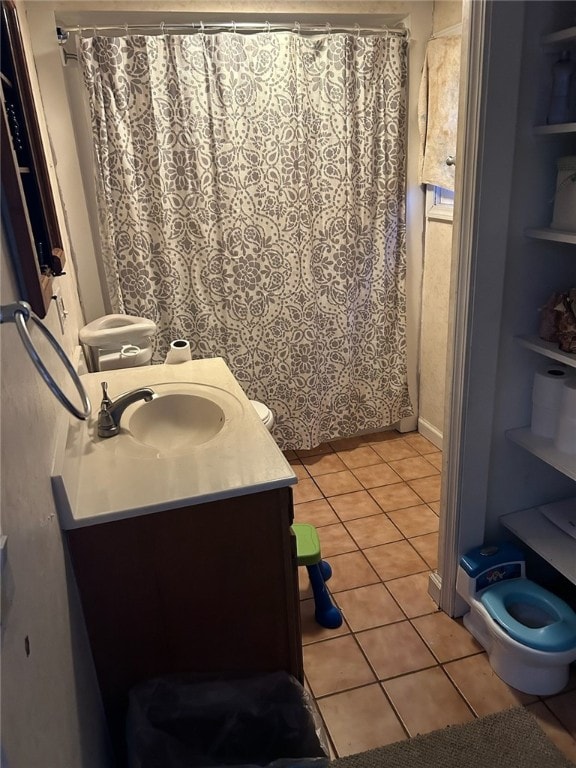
209, 591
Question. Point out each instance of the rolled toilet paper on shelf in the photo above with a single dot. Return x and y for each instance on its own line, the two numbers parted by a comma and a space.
565, 439
546, 397
179, 352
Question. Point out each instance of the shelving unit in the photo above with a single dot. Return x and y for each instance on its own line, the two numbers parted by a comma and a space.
544, 538
548, 349
551, 130
531, 526
555, 235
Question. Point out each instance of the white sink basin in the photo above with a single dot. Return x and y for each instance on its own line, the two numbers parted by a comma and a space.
173, 421
199, 440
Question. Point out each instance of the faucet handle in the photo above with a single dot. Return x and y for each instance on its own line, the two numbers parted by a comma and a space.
106, 402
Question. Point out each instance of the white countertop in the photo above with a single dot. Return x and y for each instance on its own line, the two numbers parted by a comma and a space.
97, 480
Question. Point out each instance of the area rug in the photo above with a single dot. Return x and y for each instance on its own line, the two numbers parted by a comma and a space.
509, 739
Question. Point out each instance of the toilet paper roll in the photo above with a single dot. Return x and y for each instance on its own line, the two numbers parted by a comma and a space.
565, 439
179, 352
568, 399
546, 397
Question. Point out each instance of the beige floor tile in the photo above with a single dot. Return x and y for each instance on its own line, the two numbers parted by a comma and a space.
362, 456
368, 607
360, 719
391, 561
428, 488
397, 496
335, 540
447, 638
335, 665
350, 571
306, 490
427, 701
564, 707
415, 521
323, 448
411, 469
411, 592
304, 586
427, 548
555, 731
435, 459
434, 506
312, 632
373, 530
323, 464
350, 506
395, 449
421, 444
337, 483
299, 470
376, 475
316, 513
481, 686
395, 649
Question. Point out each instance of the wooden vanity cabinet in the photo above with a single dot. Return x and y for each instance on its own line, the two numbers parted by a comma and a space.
209, 591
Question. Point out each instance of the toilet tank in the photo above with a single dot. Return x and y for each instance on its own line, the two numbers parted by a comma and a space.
117, 341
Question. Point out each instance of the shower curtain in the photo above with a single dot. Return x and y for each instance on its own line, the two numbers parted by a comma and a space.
252, 200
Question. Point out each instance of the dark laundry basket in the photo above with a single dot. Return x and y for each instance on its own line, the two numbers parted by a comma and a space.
263, 721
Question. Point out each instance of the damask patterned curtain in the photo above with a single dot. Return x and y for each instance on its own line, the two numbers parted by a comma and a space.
252, 200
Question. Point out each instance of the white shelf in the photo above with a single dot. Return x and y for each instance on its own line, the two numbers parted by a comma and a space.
545, 538
562, 36
542, 130
555, 235
544, 449
548, 349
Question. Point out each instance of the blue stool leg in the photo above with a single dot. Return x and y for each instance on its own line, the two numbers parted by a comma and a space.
327, 615
325, 569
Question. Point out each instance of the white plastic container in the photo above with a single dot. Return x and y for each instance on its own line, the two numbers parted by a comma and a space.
564, 216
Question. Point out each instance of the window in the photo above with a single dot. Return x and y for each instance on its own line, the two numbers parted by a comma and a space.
439, 203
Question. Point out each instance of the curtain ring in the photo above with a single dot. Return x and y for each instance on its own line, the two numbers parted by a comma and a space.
296, 27
328, 28
202, 27
267, 27
234, 27
126, 29
162, 28
357, 30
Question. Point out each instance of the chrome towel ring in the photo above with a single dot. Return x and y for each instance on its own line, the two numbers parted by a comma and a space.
19, 314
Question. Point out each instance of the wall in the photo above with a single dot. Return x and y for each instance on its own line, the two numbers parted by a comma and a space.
435, 291
51, 713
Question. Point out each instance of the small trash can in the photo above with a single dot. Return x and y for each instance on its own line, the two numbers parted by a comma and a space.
263, 721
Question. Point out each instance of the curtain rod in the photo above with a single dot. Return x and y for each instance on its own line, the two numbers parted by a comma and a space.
249, 27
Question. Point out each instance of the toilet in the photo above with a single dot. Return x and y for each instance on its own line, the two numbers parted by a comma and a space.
528, 632
265, 414
117, 341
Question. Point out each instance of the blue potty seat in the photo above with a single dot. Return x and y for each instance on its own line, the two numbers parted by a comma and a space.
559, 634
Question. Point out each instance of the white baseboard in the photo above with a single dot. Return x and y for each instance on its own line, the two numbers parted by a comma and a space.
435, 586
430, 433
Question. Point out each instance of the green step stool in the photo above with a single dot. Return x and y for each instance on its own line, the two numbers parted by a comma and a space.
319, 571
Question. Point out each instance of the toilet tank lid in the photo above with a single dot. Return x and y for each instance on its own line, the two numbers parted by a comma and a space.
480, 559
114, 329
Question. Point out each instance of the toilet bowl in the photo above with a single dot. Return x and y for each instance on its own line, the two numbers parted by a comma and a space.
528, 632
265, 414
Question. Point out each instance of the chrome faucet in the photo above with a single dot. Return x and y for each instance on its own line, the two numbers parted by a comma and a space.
111, 410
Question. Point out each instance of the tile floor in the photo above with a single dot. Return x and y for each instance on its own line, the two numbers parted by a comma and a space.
398, 666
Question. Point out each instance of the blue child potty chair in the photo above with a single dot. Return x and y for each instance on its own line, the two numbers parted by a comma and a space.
528, 632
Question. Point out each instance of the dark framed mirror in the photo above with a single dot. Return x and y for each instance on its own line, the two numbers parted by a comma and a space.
28, 212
